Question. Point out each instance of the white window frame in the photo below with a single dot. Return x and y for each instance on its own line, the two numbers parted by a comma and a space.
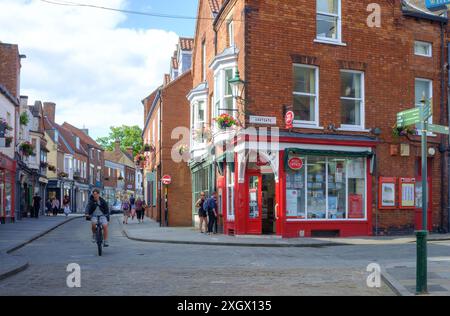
326, 219
230, 30
430, 120
193, 118
303, 123
204, 60
338, 38
219, 90
362, 124
428, 44
230, 190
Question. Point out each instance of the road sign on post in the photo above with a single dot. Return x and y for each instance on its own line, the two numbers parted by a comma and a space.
166, 180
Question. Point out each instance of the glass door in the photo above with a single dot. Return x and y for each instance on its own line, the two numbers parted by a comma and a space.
254, 183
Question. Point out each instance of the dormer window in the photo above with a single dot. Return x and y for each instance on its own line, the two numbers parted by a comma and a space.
77, 141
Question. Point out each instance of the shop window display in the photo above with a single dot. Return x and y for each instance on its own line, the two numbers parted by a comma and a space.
327, 188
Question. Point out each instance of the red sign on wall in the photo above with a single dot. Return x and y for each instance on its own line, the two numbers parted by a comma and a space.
166, 180
289, 119
295, 163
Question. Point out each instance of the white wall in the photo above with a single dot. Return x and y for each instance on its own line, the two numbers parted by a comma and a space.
7, 107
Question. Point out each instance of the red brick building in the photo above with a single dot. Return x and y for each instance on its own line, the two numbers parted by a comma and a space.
339, 170
166, 110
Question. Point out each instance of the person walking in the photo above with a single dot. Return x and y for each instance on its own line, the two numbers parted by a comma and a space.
202, 213
140, 210
133, 207
48, 206
55, 206
211, 205
36, 205
66, 205
126, 210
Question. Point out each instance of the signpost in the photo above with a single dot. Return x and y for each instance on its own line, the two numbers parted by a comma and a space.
419, 116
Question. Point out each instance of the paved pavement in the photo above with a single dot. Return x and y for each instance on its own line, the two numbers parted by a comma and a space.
14, 236
138, 268
150, 231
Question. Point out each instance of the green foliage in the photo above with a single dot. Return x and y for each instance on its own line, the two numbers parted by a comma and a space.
24, 119
129, 136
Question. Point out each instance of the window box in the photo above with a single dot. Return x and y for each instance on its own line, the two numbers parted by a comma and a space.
27, 149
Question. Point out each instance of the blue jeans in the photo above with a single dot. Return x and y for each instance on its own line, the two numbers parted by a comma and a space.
212, 219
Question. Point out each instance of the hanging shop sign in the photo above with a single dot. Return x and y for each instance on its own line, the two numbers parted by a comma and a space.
387, 196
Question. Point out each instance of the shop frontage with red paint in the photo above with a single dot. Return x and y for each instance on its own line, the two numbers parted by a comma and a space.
7, 176
300, 185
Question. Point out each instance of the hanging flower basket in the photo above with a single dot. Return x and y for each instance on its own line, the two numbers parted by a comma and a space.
44, 164
225, 121
149, 148
51, 168
139, 158
120, 178
24, 119
5, 124
403, 131
63, 175
27, 149
8, 141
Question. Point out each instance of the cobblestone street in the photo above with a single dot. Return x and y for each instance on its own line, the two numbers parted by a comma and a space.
136, 268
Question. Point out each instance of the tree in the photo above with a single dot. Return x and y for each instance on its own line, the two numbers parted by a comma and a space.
129, 136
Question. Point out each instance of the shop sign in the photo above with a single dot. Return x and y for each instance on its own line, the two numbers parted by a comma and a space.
289, 119
166, 180
295, 163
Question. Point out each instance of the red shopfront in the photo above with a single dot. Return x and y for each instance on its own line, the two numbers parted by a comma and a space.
327, 191
7, 199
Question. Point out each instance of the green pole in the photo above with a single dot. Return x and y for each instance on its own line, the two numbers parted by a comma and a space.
421, 284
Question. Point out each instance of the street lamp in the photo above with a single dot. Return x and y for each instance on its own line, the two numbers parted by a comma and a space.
237, 87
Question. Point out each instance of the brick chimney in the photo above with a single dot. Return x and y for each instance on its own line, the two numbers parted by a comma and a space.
130, 151
10, 68
117, 145
49, 110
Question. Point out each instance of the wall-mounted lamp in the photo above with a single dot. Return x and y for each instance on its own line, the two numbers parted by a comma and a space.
237, 87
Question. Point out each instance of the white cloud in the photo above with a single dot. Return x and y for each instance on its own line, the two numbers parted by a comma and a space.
95, 71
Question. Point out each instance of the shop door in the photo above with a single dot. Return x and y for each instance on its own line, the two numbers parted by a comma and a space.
254, 205
268, 204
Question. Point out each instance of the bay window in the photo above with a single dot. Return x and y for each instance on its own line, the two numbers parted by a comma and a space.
352, 99
328, 16
305, 95
327, 188
198, 121
224, 101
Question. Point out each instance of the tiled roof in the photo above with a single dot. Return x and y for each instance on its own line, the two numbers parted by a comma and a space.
8, 95
83, 137
215, 6
186, 43
70, 139
62, 144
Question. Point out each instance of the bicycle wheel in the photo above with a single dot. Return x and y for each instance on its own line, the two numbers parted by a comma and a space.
99, 240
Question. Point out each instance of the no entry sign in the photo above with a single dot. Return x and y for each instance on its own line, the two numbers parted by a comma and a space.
166, 180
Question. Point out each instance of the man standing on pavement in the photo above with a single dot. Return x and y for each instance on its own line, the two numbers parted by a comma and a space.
36, 205
211, 206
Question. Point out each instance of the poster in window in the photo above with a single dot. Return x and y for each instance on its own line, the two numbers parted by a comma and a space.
355, 206
292, 202
356, 169
332, 203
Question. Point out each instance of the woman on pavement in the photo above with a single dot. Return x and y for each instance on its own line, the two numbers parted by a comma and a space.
140, 210
202, 214
55, 206
126, 210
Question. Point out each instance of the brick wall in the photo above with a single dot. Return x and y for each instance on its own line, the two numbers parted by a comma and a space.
10, 68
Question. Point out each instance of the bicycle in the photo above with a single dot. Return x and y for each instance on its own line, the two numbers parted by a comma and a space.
98, 234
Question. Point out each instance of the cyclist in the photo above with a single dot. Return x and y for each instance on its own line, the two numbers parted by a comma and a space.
97, 206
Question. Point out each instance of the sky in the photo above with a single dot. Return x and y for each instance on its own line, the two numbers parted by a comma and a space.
96, 65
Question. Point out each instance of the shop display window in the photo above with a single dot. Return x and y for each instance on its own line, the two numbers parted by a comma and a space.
327, 188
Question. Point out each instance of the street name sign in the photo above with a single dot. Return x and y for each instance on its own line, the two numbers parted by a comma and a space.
435, 5
439, 129
408, 117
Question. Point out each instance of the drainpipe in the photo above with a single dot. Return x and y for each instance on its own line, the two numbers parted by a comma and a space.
444, 176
